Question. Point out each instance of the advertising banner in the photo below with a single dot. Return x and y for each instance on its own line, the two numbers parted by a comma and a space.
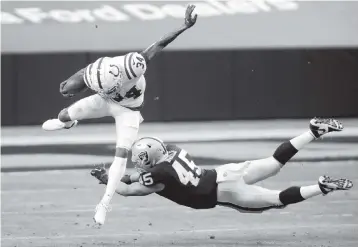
66, 26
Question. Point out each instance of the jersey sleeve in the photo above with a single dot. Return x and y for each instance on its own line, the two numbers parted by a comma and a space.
172, 147
151, 178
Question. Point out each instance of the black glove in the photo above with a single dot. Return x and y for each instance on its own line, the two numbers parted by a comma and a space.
101, 174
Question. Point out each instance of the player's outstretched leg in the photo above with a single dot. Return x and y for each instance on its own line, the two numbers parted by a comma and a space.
63, 121
67, 118
93, 106
127, 125
325, 185
259, 170
256, 199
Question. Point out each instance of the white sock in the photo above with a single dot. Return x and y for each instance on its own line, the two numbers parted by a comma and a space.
310, 191
115, 173
302, 140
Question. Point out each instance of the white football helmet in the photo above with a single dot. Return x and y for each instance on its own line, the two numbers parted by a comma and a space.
147, 152
103, 76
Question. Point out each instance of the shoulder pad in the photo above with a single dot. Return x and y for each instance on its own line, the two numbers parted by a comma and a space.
134, 65
172, 147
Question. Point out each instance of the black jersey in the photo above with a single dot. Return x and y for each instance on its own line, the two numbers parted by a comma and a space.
185, 183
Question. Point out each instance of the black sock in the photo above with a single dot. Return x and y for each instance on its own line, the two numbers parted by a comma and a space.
291, 195
285, 152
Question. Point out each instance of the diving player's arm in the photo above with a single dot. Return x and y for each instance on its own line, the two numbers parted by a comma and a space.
137, 189
134, 177
158, 46
73, 85
128, 179
127, 186
148, 183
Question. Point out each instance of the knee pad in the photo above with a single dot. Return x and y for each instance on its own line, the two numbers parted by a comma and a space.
285, 152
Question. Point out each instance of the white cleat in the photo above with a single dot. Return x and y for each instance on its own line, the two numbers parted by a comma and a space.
101, 211
321, 126
328, 184
56, 124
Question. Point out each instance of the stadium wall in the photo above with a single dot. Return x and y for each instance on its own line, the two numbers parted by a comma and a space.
197, 85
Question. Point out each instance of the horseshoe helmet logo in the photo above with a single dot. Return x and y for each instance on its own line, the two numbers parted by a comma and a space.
115, 70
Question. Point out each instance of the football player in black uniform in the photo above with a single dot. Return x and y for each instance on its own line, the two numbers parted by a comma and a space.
170, 172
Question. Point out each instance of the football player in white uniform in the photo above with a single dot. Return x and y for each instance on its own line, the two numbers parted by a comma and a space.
119, 85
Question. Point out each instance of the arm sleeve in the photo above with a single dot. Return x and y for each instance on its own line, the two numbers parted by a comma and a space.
151, 178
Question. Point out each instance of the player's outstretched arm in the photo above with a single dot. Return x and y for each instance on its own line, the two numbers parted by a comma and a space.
73, 85
158, 46
137, 189
128, 179
135, 177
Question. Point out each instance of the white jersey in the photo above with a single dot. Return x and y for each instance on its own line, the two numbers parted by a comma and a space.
120, 79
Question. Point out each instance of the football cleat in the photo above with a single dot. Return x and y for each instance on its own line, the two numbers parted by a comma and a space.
56, 124
321, 126
328, 184
101, 211
101, 174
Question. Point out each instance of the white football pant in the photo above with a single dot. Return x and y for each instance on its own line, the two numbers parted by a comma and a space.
127, 121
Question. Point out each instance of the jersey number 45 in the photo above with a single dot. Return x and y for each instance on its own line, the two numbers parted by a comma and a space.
187, 171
